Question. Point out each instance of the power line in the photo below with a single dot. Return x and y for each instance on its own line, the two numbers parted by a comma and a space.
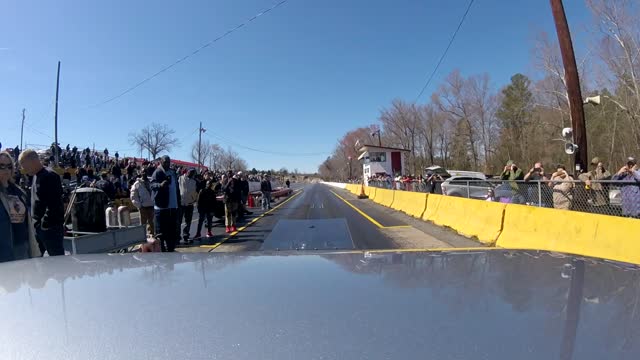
187, 56
262, 150
37, 131
453, 37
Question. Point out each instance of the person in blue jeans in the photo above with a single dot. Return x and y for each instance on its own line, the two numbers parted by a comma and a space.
265, 189
47, 209
166, 197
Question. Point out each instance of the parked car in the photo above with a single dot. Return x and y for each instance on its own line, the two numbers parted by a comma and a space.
473, 187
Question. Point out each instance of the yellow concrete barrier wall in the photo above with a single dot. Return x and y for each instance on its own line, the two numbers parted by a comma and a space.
412, 203
472, 218
573, 232
384, 197
433, 202
370, 191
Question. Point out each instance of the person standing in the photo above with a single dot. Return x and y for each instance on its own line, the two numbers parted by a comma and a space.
288, 183
206, 201
599, 192
630, 188
244, 195
47, 209
562, 184
189, 196
165, 193
537, 193
17, 237
107, 186
231, 200
141, 199
265, 189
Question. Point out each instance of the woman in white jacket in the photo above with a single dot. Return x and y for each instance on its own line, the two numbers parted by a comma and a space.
142, 199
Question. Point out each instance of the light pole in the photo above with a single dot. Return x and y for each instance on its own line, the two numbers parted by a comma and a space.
573, 84
349, 168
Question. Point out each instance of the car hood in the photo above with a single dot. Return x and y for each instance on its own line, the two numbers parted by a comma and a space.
494, 304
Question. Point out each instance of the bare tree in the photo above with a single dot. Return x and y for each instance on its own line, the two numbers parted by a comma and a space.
619, 49
156, 138
231, 160
216, 153
452, 98
204, 152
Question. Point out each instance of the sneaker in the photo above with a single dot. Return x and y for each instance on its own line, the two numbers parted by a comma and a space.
198, 236
248, 212
228, 229
234, 229
209, 234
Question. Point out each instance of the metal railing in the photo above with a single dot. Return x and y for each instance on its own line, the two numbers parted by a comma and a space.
600, 197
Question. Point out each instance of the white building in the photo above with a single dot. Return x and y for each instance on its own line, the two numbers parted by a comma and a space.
381, 160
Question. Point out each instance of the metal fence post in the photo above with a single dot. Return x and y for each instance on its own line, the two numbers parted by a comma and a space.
468, 190
540, 193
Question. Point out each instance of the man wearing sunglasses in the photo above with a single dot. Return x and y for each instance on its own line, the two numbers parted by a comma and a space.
47, 208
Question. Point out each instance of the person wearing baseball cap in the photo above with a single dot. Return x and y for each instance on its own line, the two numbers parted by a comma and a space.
593, 184
630, 188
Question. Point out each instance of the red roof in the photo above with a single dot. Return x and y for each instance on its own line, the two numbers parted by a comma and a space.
187, 164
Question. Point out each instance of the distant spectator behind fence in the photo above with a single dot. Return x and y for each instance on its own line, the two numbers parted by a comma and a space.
537, 192
562, 185
629, 176
593, 196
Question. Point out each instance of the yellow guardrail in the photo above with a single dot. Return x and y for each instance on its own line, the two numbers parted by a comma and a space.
384, 197
520, 226
410, 203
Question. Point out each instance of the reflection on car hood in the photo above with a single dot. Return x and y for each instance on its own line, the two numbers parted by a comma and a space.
442, 305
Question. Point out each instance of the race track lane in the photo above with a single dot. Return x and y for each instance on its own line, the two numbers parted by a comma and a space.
316, 218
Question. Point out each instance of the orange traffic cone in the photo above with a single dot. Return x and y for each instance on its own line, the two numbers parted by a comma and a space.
251, 202
362, 194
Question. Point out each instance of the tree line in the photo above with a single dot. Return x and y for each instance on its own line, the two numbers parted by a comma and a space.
470, 124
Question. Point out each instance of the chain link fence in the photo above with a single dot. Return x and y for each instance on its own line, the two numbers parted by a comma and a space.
615, 198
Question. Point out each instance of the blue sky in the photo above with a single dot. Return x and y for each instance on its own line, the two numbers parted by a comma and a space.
293, 81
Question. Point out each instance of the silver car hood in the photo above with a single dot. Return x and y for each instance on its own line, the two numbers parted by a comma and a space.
440, 305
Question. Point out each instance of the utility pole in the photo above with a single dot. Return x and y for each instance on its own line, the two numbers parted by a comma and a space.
57, 156
573, 84
22, 129
200, 131
377, 132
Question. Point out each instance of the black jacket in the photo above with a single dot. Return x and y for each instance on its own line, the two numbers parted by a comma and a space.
161, 194
244, 187
206, 200
265, 186
107, 187
46, 199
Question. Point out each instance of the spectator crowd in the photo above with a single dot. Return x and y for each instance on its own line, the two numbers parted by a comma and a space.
32, 218
596, 189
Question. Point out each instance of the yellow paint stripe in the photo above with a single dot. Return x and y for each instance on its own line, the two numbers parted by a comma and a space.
214, 246
373, 221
